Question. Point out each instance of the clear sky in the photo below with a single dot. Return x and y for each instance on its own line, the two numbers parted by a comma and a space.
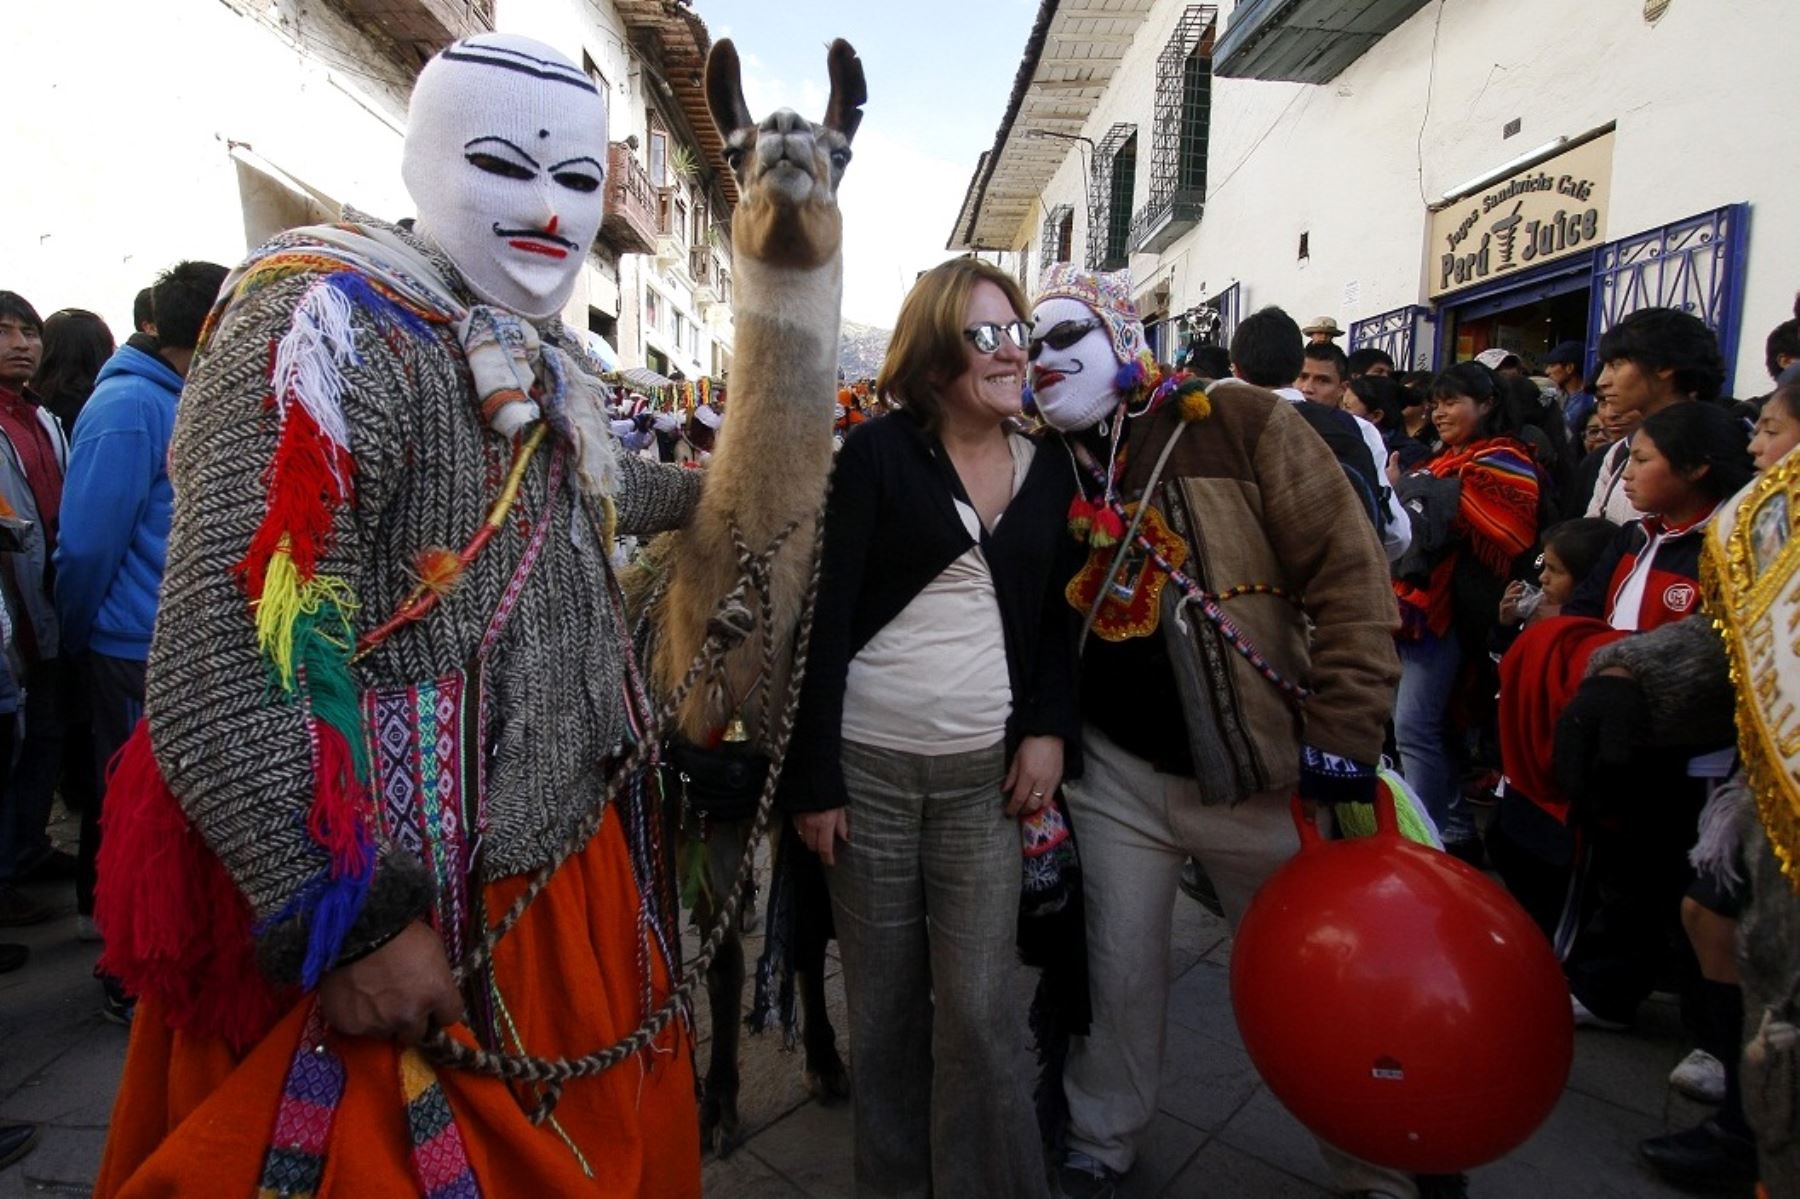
939, 75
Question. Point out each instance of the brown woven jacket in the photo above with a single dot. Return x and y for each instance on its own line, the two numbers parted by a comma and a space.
1260, 499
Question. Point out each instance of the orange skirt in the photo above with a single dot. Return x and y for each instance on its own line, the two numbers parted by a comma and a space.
193, 1118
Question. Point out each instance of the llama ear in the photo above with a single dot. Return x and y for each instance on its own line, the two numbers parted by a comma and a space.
725, 89
849, 92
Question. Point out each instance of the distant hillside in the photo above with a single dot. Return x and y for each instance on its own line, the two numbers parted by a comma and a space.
861, 349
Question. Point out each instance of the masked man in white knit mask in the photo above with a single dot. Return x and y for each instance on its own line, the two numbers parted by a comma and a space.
1201, 715
387, 683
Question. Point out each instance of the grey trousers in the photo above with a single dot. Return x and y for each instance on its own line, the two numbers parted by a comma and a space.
1136, 829
926, 896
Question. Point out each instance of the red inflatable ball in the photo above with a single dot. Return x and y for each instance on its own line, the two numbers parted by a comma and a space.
1402, 1006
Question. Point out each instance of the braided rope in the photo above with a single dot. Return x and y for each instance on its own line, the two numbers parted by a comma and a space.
731, 623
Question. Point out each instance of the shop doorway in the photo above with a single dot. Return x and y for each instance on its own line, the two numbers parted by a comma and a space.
1530, 330
1527, 316
1528, 321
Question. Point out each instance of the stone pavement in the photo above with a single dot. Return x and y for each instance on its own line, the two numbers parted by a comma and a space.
1219, 1133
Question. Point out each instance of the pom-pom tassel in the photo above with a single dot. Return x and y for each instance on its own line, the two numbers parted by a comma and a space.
336, 821
1192, 401
1081, 518
308, 479
438, 569
331, 904
1108, 528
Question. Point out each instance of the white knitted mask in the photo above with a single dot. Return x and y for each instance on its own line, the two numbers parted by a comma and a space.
1073, 388
505, 156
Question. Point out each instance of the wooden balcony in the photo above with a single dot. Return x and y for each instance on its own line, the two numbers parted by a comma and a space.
704, 271
630, 220
420, 28
701, 266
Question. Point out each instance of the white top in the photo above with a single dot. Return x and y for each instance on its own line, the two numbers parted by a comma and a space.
1396, 539
1609, 499
933, 680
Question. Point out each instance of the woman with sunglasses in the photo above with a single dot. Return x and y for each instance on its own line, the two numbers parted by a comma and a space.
939, 693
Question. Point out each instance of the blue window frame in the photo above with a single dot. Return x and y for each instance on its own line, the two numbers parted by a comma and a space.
1230, 306
1399, 334
1695, 265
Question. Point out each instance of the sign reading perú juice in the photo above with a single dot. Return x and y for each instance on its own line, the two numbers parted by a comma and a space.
1542, 213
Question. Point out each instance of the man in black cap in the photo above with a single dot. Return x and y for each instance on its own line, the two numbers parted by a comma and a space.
1564, 365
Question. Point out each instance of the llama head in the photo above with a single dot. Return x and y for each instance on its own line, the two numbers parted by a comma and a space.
788, 168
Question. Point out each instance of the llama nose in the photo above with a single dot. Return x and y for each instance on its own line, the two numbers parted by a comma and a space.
785, 121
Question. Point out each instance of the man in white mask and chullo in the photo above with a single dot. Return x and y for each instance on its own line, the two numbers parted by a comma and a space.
388, 678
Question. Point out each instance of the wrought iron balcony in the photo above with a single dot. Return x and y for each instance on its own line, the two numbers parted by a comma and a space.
1160, 223
629, 224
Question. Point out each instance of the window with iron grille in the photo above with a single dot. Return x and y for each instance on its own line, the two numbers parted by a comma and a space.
1400, 334
1124, 182
1196, 119
1183, 114
1111, 179
1058, 231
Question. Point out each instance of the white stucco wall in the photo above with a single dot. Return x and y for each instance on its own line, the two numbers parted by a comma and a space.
1702, 100
123, 162
119, 138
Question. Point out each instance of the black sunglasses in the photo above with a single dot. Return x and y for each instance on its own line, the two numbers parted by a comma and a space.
1062, 336
986, 336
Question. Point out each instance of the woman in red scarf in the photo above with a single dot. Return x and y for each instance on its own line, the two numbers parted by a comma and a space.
1474, 507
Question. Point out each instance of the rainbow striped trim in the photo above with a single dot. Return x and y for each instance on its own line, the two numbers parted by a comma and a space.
295, 1160
440, 1161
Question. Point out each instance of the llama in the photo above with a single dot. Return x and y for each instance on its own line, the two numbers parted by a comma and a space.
768, 471
774, 451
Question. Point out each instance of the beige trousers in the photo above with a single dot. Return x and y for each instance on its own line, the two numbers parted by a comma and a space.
1135, 829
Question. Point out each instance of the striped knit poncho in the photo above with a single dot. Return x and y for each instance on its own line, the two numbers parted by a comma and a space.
1496, 521
297, 529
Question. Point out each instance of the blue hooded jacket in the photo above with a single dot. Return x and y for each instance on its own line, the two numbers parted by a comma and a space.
116, 506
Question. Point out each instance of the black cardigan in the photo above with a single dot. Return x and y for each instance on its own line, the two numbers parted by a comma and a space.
891, 527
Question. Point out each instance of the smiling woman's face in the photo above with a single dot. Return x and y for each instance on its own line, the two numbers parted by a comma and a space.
991, 386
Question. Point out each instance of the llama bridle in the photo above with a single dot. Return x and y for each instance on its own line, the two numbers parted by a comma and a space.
735, 618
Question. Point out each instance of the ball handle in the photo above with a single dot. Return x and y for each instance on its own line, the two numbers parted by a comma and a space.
1387, 821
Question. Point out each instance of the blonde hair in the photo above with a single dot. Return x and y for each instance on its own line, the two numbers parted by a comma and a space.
927, 349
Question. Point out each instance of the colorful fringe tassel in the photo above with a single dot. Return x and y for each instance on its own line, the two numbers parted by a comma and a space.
303, 619
176, 927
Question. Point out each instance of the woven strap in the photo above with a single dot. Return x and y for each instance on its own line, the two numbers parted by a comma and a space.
440, 1160
295, 1160
509, 598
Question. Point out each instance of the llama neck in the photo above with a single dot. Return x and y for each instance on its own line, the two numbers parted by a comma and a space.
784, 362
776, 441
787, 323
